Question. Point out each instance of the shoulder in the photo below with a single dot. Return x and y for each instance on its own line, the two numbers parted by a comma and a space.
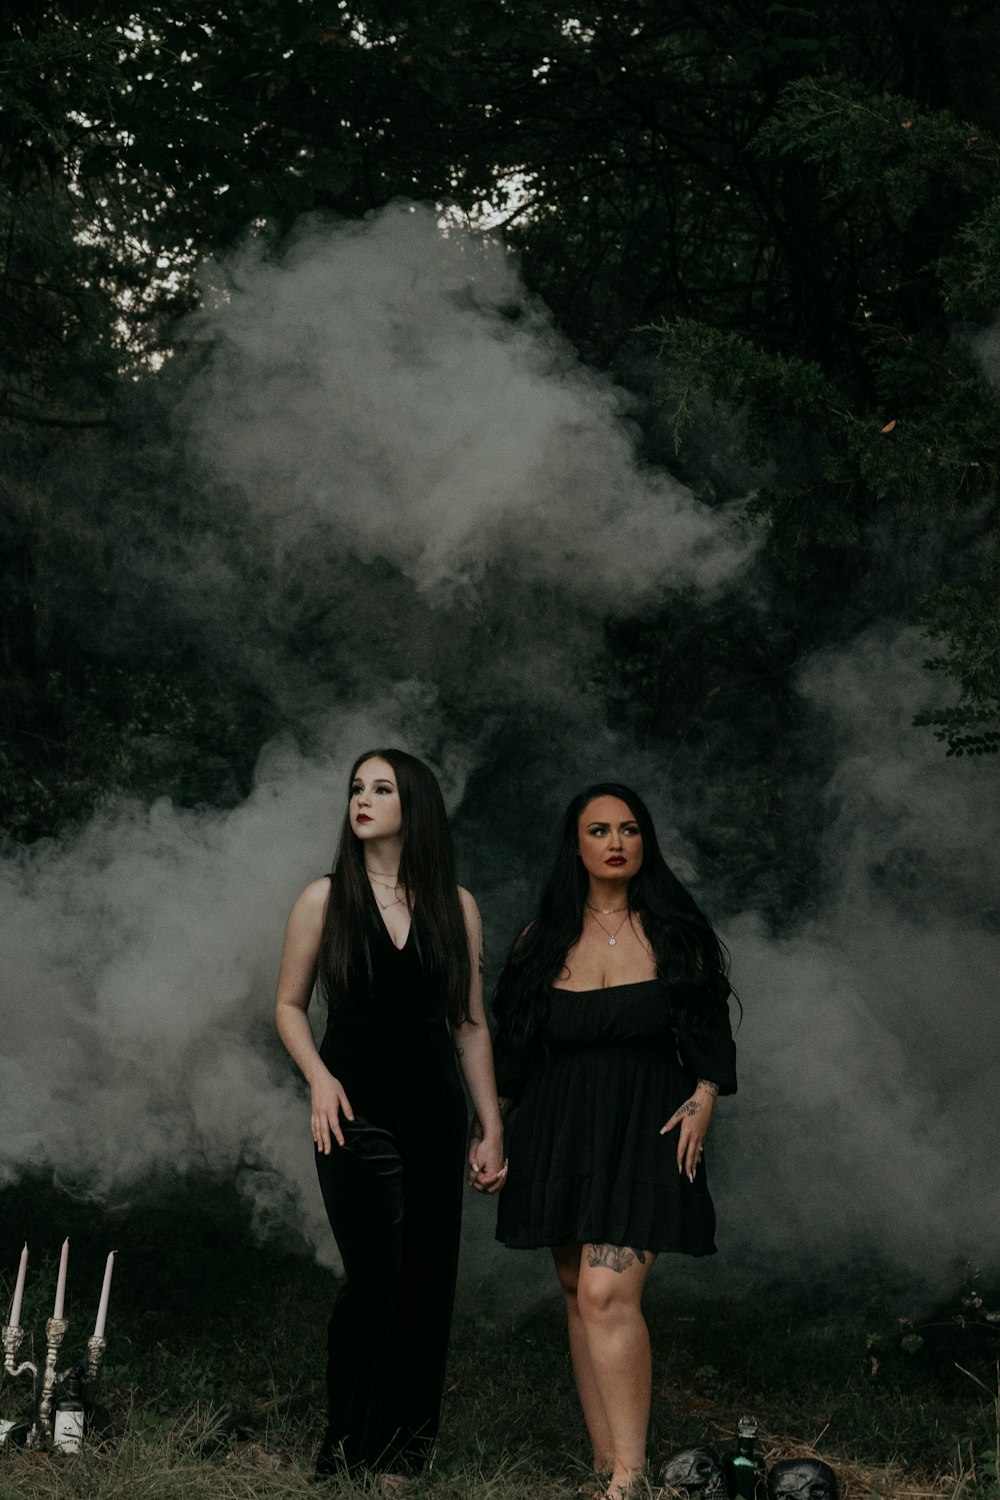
312, 902
316, 893
470, 911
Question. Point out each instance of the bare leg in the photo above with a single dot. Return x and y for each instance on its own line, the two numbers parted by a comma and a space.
608, 1297
567, 1260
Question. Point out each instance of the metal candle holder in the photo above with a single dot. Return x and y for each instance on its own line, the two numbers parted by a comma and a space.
43, 1386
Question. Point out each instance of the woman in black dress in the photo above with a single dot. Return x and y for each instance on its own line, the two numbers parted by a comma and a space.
613, 1040
397, 947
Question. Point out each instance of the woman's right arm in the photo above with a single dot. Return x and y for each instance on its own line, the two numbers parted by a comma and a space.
299, 960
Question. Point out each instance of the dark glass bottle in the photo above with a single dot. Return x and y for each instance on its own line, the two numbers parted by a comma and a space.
742, 1470
67, 1425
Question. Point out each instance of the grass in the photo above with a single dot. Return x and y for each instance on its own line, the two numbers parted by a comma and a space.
213, 1375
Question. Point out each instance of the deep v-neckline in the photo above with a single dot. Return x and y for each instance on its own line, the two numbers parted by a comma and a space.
384, 924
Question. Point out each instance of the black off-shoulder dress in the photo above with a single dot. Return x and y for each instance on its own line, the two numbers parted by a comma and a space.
587, 1161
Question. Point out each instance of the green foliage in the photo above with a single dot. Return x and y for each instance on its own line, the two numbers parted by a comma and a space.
801, 205
112, 733
881, 149
892, 441
970, 272
966, 619
930, 455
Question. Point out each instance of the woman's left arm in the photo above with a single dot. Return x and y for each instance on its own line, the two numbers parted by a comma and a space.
693, 1117
707, 1049
475, 1053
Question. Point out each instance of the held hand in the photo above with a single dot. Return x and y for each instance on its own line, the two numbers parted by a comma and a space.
329, 1102
487, 1163
693, 1117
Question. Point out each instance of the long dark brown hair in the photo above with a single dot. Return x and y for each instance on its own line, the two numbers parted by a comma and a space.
426, 872
689, 955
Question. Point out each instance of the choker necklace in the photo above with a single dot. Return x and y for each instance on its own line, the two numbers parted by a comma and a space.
612, 936
389, 880
605, 911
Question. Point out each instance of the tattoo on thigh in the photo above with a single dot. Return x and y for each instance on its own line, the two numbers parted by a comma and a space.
615, 1257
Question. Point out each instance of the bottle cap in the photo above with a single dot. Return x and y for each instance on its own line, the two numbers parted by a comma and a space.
746, 1427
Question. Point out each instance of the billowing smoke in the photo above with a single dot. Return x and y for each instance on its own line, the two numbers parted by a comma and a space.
137, 961
868, 1117
452, 505
400, 388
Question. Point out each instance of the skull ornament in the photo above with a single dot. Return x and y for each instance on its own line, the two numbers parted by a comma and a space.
801, 1479
696, 1472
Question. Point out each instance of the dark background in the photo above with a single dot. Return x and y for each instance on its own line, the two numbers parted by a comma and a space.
743, 267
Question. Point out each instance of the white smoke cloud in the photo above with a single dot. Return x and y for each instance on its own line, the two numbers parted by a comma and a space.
400, 385
140, 961
867, 1119
382, 391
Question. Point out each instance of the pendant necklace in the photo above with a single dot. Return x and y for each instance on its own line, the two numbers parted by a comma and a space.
612, 936
391, 885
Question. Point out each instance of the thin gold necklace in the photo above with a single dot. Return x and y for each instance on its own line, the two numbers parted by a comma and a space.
606, 911
396, 901
393, 885
612, 936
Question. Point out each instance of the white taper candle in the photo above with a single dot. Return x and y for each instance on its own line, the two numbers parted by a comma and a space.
15, 1306
57, 1311
102, 1307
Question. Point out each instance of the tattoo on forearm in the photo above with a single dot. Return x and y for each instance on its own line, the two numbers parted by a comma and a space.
709, 1086
615, 1257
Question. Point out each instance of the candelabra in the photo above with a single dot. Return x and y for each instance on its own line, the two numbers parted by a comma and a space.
46, 1431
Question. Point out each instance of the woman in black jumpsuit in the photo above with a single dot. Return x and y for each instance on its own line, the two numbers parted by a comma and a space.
396, 945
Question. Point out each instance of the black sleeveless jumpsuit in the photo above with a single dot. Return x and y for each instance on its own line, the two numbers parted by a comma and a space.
393, 1195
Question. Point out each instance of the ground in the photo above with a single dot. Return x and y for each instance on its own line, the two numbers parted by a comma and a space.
213, 1376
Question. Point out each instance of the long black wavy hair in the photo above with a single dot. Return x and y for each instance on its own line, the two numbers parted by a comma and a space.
427, 873
689, 955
